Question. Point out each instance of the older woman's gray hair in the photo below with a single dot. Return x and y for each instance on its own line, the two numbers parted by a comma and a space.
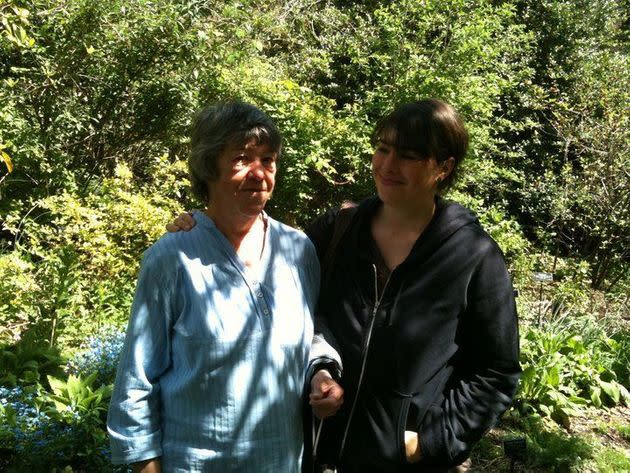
221, 125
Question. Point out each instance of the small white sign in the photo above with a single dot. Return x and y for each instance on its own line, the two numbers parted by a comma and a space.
543, 277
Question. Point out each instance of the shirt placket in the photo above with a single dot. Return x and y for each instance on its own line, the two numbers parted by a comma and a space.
263, 309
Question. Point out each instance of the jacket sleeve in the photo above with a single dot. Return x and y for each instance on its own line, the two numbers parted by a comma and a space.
324, 349
485, 371
133, 420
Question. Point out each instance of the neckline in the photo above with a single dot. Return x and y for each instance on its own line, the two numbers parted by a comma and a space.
251, 274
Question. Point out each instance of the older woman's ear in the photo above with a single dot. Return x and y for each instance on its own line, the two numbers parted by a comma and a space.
183, 222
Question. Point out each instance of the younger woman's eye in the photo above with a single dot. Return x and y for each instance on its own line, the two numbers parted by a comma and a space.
411, 156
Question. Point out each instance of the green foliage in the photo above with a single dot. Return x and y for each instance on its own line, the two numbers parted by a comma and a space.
60, 424
87, 256
612, 460
101, 90
577, 146
28, 364
554, 449
95, 104
549, 448
624, 431
77, 397
563, 372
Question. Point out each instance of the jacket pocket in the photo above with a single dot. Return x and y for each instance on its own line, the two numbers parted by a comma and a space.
401, 427
376, 436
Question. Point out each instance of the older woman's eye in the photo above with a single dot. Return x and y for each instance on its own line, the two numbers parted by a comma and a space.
269, 160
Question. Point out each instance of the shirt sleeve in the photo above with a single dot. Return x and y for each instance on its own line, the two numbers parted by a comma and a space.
133, 420
486, 372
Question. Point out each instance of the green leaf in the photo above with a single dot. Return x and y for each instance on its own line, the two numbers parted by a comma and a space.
7, 160
611, 389
552, 377
57, 385
596, 396
30, 376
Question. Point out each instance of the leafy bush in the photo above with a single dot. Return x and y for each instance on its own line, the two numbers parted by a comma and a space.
563, 372
55, 420
28, 364
42, 431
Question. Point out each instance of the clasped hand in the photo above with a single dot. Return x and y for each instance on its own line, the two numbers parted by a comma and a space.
326, 395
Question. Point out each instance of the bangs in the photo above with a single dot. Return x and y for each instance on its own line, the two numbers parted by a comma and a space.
414, 127
261, 135
404, 138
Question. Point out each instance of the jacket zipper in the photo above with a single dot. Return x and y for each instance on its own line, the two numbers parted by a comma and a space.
366, 347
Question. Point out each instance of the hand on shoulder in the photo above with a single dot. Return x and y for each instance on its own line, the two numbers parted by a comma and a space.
183, 222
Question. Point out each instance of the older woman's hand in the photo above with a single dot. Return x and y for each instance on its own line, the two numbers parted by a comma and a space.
184, 221
326, 395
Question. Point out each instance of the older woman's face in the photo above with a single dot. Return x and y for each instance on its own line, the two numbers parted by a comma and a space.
247, 175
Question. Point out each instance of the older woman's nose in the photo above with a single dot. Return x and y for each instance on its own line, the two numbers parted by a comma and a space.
256, 171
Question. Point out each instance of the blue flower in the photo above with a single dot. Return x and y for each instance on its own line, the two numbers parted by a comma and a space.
100, 354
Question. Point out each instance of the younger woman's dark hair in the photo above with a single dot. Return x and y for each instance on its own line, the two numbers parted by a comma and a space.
221, 125
430, 127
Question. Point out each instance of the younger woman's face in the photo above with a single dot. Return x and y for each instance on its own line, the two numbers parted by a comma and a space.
403, 178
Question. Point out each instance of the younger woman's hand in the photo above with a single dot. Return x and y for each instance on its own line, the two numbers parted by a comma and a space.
183, 222
412, 446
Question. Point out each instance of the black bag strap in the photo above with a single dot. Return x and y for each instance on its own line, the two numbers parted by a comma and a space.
342, 222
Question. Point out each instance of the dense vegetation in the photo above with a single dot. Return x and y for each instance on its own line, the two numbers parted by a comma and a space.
95, 105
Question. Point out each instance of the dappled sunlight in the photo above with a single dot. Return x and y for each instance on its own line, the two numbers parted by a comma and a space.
238, 347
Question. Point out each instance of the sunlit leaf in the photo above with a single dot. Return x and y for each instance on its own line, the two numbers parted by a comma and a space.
7, 160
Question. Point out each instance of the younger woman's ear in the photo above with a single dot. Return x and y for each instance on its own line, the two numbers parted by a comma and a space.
447, 167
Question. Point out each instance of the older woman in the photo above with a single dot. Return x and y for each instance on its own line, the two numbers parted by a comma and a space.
212, 370
417, 299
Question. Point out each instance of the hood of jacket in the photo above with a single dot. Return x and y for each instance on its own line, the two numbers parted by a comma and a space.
449, 217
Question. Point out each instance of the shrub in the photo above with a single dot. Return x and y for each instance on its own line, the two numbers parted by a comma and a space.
99, 355
28, 364
563, 372
66, 428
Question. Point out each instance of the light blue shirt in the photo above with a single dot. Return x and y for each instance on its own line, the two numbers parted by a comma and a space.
212, 371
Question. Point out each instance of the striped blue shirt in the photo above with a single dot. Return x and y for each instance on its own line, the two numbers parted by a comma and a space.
212, 370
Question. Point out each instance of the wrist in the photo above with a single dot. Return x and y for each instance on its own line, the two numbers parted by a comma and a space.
324, 364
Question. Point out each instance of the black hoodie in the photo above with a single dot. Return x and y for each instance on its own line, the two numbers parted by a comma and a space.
442, 358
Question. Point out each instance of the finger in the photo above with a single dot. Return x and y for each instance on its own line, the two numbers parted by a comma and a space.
335, 392
323, 413
326, 403
181, 224
187, 218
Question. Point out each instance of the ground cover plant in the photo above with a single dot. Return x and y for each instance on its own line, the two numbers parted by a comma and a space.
95, 104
